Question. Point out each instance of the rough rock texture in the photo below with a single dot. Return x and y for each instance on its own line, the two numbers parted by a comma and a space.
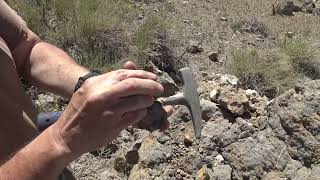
295, 118
284, 7
279, 139
170, 87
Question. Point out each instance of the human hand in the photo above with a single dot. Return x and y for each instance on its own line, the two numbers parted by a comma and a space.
168, 109
104, 106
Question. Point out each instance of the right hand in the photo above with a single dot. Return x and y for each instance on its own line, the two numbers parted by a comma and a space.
102, 107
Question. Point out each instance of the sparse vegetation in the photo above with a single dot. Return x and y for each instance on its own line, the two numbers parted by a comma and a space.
81, 26
278, 65
251, 26
144, 34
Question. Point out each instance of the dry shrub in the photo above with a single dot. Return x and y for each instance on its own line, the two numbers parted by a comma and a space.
251, 26
276, 67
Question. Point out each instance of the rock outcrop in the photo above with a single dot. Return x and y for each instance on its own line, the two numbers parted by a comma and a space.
245, 136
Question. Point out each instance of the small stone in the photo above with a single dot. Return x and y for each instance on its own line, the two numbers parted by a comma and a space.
229, 80
223, 18
202, 174
204, 74
185, 21
120, 164
141, 16
163, 139
187, 140
132, 157
194, 47
213, 56
185, 2
218, 159
209, 110
168, 156
316, 11
214, 94
289, 34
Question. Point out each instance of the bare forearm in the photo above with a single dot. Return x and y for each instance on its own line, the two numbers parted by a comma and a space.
41, 159
52, 69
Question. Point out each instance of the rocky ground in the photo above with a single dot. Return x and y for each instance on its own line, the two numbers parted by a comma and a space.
246, 135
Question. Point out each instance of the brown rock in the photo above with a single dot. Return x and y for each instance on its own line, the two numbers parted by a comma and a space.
188, 141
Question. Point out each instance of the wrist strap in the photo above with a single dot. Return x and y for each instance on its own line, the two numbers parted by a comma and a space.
84, 78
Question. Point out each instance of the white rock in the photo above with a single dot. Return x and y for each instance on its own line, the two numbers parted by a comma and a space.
213, 94
218, 159
250, 92
229, 80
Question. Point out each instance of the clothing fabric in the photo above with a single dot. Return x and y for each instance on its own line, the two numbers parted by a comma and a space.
12, 31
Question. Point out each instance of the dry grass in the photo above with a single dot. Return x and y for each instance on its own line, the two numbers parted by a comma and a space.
278, 64
91, 28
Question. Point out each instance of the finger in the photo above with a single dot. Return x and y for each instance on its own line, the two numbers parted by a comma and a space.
135, 86
130, 118
133, 103
129, 73
169, 110
130, 65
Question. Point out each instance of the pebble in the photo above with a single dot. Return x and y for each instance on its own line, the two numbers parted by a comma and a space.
223, 18
213, 94
213, 56
187, 140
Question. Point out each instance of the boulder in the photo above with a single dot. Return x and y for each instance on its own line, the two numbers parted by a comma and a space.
284, 7
295, 117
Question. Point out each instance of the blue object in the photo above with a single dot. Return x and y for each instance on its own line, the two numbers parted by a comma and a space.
46, 119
